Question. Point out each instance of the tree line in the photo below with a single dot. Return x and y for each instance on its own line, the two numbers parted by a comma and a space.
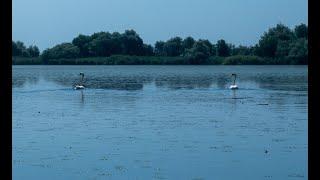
277, 43
19, 49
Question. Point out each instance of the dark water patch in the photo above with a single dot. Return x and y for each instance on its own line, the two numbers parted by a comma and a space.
46, 130
263, 104
105, 174
42, 165
295, 175
239, 98
278, 140
198, 178
120, 168
44, 90
184, 82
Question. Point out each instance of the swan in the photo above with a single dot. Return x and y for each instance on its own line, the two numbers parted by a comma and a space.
234, 86
80, 85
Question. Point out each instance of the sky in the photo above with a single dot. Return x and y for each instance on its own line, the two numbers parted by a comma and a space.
46, 23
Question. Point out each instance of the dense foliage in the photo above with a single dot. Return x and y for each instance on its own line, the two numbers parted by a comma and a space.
19, 49
278, 45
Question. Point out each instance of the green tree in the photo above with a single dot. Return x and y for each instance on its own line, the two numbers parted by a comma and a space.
22, 51
209, 45
15, 50
242, 50
133, 44
214, 50
301, 31
100, 46
278, 44
283, 48
187, 43
199, 53
33, 51
64, 50
82, 42
222, 48
117, 46
148, 50
299, 51
159, 48
173, 47
268, 43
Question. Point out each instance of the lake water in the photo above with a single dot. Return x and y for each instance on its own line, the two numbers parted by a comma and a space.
160, 122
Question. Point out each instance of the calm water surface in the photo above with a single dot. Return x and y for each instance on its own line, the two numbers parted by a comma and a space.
160, 122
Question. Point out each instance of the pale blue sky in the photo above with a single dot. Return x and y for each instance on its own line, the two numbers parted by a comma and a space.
48, 22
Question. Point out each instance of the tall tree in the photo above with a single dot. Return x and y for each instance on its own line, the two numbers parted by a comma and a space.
33, 51
173, 47
222, 48
283, 48
268, 43
242, 50
133, 44
116, 43
159, 48
209, 45
301, 31
64, 50
101, 44
299, 51
15, 50
148, 50
187, 43
82, 42
199, 52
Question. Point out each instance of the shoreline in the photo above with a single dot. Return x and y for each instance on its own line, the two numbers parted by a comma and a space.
159, 60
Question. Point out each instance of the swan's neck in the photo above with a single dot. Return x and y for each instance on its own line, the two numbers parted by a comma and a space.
81, 80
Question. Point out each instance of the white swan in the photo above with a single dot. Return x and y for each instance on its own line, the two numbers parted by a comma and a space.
234, 86
80, 85
76, 87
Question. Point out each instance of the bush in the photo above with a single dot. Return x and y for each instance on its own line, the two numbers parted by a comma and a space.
242, 60
162, 60
215, 60
119, 60
26, 60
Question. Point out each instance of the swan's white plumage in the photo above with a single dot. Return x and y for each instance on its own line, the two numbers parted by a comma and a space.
233, 87
78, 87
